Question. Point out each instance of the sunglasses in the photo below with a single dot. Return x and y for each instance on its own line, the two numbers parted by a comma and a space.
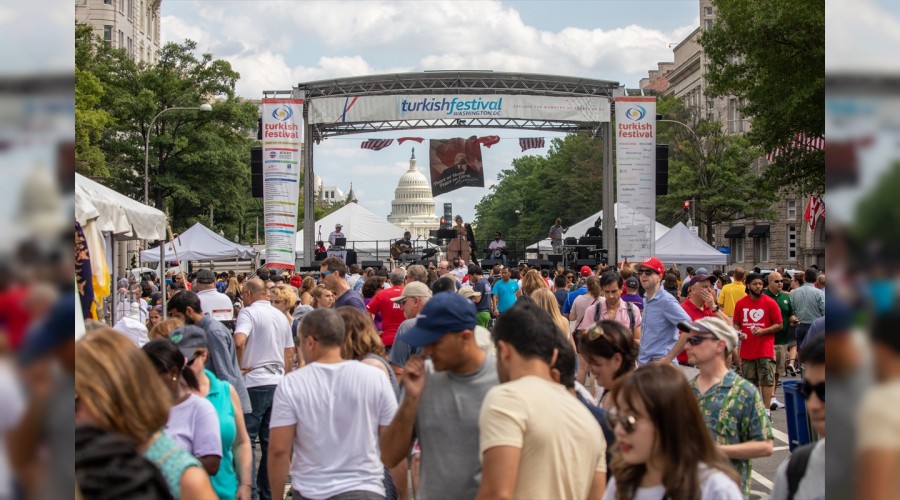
646, 272
628, 422
806, 390
696, 340
326, 273
595, 332
777, 281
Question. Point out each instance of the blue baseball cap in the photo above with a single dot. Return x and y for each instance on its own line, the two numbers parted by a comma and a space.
57, 328
444, 313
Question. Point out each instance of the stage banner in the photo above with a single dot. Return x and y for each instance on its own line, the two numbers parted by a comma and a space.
435, 107
455, 163
635, 128
282, 149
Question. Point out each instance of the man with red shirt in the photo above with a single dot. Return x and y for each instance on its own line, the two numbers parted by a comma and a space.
701, 303
759, 317
391, 312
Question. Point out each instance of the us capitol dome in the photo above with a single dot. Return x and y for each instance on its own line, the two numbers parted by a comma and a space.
413, 205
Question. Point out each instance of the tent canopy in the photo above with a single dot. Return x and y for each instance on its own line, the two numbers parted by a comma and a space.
200, 243
681, 246
578, 229
116, 213
362, 228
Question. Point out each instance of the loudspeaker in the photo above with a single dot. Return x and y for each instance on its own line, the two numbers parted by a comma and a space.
585, 262
487, 264
662, 169
539, 263
448, 234
256, 172
375, 264
555, 258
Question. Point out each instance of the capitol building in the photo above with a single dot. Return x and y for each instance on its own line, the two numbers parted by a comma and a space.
413, 205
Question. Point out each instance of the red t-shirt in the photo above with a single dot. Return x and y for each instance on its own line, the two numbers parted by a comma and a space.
761, 313
695, 313
391, 313
14, 316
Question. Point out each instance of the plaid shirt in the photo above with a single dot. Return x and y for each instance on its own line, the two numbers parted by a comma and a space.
734, 413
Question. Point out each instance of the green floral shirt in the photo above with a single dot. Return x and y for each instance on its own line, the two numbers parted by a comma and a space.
734, 413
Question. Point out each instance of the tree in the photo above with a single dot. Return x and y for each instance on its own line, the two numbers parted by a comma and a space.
92, 120
772, 56
712, 169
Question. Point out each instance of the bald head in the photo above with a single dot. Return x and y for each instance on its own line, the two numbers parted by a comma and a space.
254, 290
775, 282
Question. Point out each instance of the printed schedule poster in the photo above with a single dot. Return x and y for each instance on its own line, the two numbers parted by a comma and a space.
282, 149
635, 177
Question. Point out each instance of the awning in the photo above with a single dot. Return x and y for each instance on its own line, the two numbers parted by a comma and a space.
735, 232
761, 231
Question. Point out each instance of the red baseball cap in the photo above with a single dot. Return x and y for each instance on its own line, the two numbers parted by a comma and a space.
586, 271
653, 264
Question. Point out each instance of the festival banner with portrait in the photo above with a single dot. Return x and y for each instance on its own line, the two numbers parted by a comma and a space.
282, 145
455, 163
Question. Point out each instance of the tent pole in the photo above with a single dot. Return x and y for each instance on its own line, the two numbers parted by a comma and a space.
113, 281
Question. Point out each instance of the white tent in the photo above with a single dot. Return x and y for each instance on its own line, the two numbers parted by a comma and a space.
681, 246
116, 213
366, 232
578, 229
200, 243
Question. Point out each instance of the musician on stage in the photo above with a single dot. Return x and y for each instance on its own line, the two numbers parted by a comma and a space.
402, 245
459, 246
556, 235
337, 233
498, 247
594, 231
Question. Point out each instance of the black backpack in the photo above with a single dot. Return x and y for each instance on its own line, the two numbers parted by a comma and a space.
796, 467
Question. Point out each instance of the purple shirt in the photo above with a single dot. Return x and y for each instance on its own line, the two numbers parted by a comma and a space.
634, 299
352, 299
194, 425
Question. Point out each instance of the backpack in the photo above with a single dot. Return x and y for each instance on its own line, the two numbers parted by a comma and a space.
628, 307
796, 467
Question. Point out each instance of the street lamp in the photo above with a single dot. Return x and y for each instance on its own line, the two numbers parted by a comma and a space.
688, 127
205, 107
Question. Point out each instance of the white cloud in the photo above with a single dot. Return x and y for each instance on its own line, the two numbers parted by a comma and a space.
860, 35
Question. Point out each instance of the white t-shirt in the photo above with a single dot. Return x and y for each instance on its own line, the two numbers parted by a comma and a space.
194, 424
714, 486
268, 334
10, 414
337, 410
216, 305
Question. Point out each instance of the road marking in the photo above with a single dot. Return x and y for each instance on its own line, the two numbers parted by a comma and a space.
759, 478
781, 448
781, 436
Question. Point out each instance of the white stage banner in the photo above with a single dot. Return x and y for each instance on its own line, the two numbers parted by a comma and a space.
282, 149
635, 176
435, 107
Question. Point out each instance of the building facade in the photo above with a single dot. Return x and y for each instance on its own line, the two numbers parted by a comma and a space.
131, 25
413, 205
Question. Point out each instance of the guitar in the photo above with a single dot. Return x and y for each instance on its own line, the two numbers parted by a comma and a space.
399, 247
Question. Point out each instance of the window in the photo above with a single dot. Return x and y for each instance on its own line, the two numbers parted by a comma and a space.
734, 116
121, 6
707, 24
737, 249
792, 209
761, 249
130, 47
107, 34
108, 2
708, 11
792, 242
121, 39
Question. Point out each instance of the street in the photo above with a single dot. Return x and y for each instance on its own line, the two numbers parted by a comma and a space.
764, 468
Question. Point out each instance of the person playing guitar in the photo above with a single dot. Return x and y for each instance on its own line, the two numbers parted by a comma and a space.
402, 246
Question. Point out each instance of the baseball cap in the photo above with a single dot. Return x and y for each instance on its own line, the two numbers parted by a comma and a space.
703, 277
444, 313
701, 270
585, 271
716, 326
188, 338
468, 292
654, 265
205, 276
413, 289
55, 329
338, 225
632, 282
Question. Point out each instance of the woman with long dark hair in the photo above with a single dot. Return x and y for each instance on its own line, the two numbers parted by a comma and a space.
663, 448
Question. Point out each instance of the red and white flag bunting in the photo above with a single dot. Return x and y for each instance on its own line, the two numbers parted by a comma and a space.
531, 142
376, 144
488, 140
404, 139
800, 142
815, 208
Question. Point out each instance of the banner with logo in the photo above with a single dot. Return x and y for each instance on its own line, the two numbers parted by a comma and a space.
635, 177
455, 163
434, 107
282, 149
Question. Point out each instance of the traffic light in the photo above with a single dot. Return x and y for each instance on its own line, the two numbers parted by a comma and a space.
687, 206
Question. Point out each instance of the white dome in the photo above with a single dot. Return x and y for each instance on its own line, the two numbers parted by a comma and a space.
413, 204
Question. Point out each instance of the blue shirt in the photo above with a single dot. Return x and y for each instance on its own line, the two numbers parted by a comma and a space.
567, 307
484, 288
659, 330
809, 303
506, 294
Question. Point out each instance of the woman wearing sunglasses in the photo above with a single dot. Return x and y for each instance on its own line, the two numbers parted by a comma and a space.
663, 449
609, 351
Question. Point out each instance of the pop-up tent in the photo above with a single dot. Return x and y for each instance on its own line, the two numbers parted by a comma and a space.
200, 243
367, 233
578, 229
116, 213
681, 246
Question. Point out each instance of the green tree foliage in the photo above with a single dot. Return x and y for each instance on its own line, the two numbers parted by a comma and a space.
712, 168
772, 56
92, 120
567, 183
877, 213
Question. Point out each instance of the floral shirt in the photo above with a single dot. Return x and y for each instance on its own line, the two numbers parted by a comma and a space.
734, 413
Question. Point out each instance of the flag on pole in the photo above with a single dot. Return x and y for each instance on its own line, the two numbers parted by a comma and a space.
376, 144
815, 208
801, 142
531, 142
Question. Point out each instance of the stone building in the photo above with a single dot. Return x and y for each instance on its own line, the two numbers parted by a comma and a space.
131, 25
413, 205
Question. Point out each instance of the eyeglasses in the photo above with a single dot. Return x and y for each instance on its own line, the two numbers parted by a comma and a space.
806, 390
326, 273
646, 272
696, 340
777, 281
613, 418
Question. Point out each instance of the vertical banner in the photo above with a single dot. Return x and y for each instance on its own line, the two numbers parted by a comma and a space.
635, 177
455, 163
282, 150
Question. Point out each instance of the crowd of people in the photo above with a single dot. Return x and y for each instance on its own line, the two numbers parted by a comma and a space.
452, 381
